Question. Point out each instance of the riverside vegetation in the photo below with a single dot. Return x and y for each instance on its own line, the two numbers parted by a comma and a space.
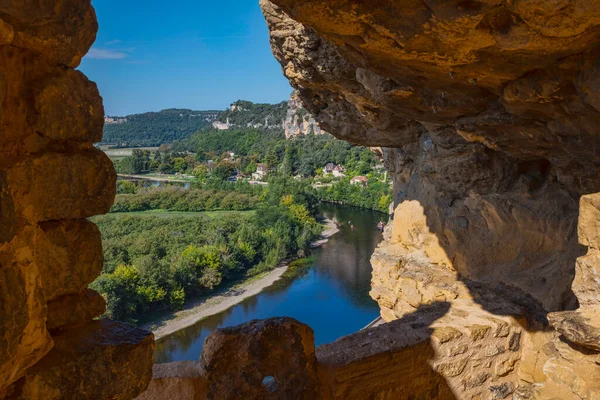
206, 157
154, 264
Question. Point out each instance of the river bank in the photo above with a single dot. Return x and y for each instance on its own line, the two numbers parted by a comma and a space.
227, 298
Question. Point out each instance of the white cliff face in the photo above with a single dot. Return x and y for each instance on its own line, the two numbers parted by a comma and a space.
292, 117
222, 126
298, 121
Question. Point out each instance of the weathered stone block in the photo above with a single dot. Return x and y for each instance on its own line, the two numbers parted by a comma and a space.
581, 327
58, 186
75, 309
68, 31
586, 284
589, 220
43, 107
69, 107
23, 336
390, 361
69, 253
268, 359
101, 361
179, 380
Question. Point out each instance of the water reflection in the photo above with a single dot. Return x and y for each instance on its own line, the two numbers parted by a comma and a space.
329, 293
150, 183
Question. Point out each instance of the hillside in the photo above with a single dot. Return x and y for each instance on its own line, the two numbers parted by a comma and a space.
155, 128
245, 114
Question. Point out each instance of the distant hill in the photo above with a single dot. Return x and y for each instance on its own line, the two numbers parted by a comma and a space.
155, 128
245, 114
167, 126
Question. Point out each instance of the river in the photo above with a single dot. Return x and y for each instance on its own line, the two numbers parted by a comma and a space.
330, 293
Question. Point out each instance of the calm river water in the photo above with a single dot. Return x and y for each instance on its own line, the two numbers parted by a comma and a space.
331, 294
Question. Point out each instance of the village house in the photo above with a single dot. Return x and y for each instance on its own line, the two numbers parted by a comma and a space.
359, 180
261, 172
333, 169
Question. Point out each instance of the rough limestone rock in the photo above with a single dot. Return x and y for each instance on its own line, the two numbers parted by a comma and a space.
71, 252
515, 76
471, 163
297, 121
586, 284
104, 360
75, 309
68, 30
268, 359
51, 179
571, 372
64, 108
24, 338
582, 326
432, 353
77, 185
178, 380
487, 112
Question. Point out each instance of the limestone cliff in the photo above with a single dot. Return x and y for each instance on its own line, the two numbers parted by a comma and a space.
298, 122
290, 116
488, 112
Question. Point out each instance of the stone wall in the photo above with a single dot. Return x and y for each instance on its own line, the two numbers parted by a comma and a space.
51, 180
441, 351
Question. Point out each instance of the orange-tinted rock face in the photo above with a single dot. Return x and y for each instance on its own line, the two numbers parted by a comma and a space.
517, 77
51, 178
103, 360
270, 359
23, 335
488, 114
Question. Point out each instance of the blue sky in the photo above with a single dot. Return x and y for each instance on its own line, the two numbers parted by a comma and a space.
150, 55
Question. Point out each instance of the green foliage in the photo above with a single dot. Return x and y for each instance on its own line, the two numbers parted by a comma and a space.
126, 187
303, 155
142, 161
243, 142
246, 114
137, 163
156, 128
376, 195
178, 199
154, 264
224, 170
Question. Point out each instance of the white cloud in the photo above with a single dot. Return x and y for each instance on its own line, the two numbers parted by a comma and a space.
111, 42
104, 54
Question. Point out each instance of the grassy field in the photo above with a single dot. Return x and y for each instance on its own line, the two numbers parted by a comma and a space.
181, 214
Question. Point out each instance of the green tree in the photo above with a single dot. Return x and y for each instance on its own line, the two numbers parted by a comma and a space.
290, 160
224, 170
179, 165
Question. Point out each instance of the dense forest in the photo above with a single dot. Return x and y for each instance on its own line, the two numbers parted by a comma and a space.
302, 155
168, 126
174, 198
156, 128
155, 263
